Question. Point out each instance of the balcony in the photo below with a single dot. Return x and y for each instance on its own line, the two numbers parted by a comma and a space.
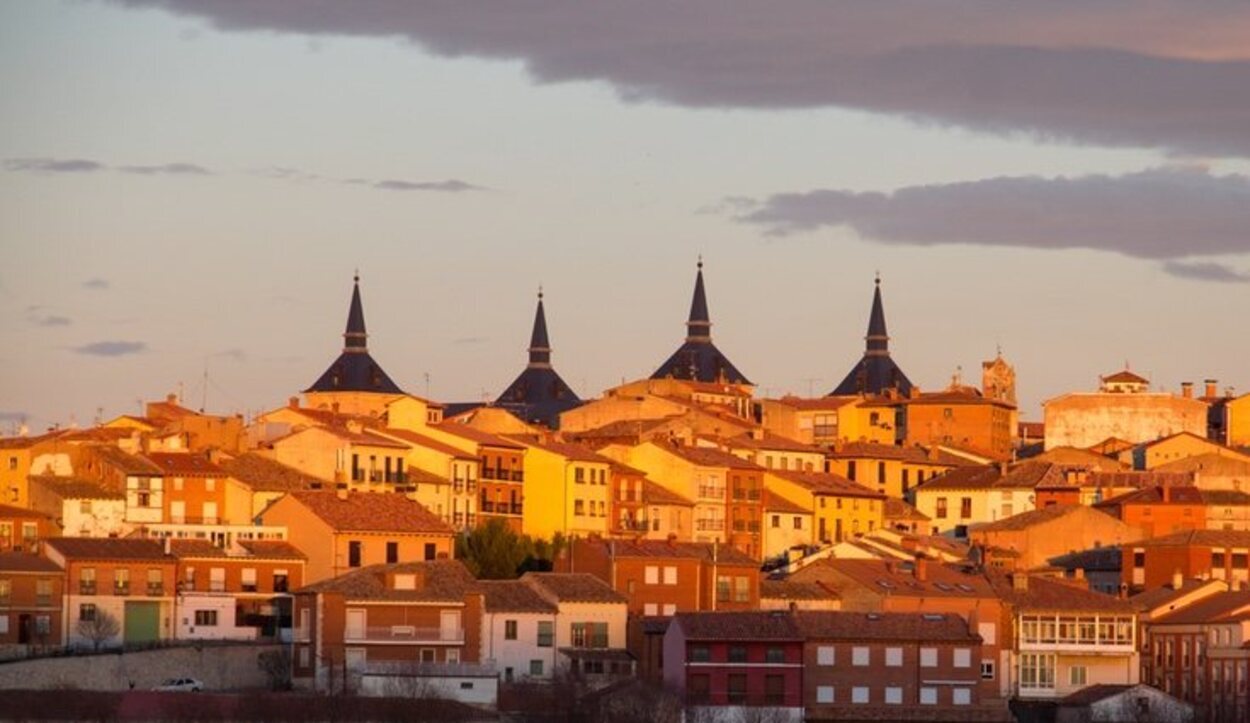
488, 473
711, 493
709, 525
396, 478
515, 509
486, 506
86, 587
518, 475
42, 601
280, 584
156, 589
121, 588
633, 525
400, 634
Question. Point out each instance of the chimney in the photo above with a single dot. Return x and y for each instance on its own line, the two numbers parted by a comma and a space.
922, 569
1177, 580
341, 493
1211, 385
1187, 390
168, 546
171, 398
1078, 573
293, 402
1019, 581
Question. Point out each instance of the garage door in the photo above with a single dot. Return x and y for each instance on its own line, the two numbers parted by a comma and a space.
143, 622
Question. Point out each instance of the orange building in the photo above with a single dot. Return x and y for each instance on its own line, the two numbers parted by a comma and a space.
199, 492
341, 531
501, 479
962, 417
239, 594
31, 596
1158, 511
1203, 554
21, 529
627, 510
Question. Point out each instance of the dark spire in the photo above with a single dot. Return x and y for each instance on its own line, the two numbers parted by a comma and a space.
355, 336
540, 348
878, 340
699, 326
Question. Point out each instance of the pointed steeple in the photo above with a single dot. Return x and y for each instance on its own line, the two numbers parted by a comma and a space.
699, 325
354, 338
878, 341
540, 348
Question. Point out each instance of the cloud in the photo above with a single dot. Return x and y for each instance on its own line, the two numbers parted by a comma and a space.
1168, 74
237, 355
112, 348
96, 283
51, 320
10, 416
53, 165
1161, 213
449, 186
470, 340
168, 169
282, 173
1205, 271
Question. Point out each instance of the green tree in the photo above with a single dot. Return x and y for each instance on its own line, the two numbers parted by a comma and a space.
493, 551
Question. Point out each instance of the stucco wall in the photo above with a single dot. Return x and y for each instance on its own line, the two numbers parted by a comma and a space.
218, 667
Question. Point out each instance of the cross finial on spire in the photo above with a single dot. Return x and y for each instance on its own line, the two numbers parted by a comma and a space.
877, 280
540, 292
700, 264
356, 276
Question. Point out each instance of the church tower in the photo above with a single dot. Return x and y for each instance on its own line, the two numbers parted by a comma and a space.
698, 359
538, 394
354, 382
876, 372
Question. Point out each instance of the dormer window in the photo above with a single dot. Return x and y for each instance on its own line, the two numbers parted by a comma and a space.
405, 582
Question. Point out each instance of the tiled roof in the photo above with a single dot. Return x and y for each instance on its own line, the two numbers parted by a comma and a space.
371, 512
1111, 445
487, 439
777, 503
109, 548
709, 457
819, 404
794, 590
1200, 538
725, 554
628, 428
1155, 496
124, 462
1209, 609
25, 442
1140, 479
185, 464
654, 493
13, 511
767, 442
421, 440
625, 470
1211, 464
909, 627
365, 437
569, 450
1029, 475
1125, 376
1033, 518
1048, 594
1095, 693
332, 418
896, 509
1159, 596
898, 579
26, 562
251, 550
513, 596
77, 488
1226, 498
1072, 456
964, 478
956, 397
573, 587
827, 483
746, 625
1098, 559
438, 581
266, 475
912, 454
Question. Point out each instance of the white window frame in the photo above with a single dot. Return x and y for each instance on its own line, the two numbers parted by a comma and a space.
860, 694
824, 694
826, 655
928, 696
861, 656
962, 657
928, 657
670, 575
651, 575
961, 696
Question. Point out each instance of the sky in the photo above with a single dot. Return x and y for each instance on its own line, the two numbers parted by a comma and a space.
187, 188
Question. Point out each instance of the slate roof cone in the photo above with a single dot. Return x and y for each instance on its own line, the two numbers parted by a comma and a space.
698, 359
876, 372
355, 370
538, 394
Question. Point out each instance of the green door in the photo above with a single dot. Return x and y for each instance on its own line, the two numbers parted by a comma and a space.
143, 622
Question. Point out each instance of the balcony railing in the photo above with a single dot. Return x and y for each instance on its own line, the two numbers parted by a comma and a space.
711, 493
42, 601
156, 589
121, 588
486, 506
404, 634
518, 475
515, 508
709, 525
633, 525
86, 587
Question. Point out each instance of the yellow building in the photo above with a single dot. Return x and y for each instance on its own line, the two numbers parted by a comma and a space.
787, 525
1174, 448
841, 509
768, 450
442, 477
352, 457
1237, 421
568, 487
957, 499
890, 469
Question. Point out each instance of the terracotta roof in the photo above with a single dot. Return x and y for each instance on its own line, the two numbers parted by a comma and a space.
513, 596
25, 442
26, 562
794, 590
251, 550
331, 418
1211, 464
709, 457
964, 478
371, 512
628, 428
476, 435
573, 587
1029, 475
109, 548
1125, 376
1073, 456
77, 488
767, 442
437, 581
568, 450
626, 471
365, 437
826, 483
725, 554
654, 493
1098, 559
898, 579
910, 627
777, 503
1160, 596
425, 442
1226, 498
1140, 479
1210, 609
1033, 518
13, 511
1032, 430
965, 395
819, 404
1049, 594
1154, 496
185, 464
913, 454
746, 625
896, 509
266, 475
1111, 445
1200, 538
124, 462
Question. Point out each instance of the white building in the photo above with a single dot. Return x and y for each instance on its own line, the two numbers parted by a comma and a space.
84, 508
590, 623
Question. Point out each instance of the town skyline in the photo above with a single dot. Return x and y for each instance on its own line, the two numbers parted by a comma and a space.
225, 173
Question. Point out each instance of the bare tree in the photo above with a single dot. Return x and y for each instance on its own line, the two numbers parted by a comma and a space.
276, 664
100, 628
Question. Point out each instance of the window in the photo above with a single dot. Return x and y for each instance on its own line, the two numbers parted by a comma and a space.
428, 655
774, 690
1037, 670
775, 655
798, 523
579, 507
963, 657
961, 696
589, 635
121, 582
1077, 675
824, 655
776, 521
84, 507
850, 470
217, 579
669, 609
546, 633
722, 588
859, 694
940, 510
928, 657
392, 552
509, 630
651, 575
248, 579
670, 575
353, 553
894, 695
737, 688
579, 475
988, 632
742, 589
650, 609
700, 690
824, 694
536, 668
207, 618
987, 670
860, 656
965, 508
86, 612
737, 654
928, 696
431, 551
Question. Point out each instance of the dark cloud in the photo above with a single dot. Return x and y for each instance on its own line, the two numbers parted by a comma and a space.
112, 348
53, 165
1168, 74
96, 283
1206, 271
168, 169
449, 186
1163, 213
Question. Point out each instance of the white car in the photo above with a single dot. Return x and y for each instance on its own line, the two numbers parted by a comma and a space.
184, 684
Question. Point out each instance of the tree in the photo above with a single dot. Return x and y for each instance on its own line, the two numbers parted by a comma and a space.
277, 666
99, 628
493, 551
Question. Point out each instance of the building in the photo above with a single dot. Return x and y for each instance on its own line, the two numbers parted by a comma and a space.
368, 629
85, 507
198, 492
821, 421
841, 509
787, 526
243, 593
1212, 471
890, 469
1158, 511
538, 395
21, 528
341, 531
876, 373
958, 499
900, 516
1182, 445
1199, 654
1122, 408
1122, 704
1227, 509
442, 477
502, 476
352, 456
1099, 567
698, 359
1202, 554
268, 479
32, 591
1036, 536
518, 630
574, 485
590, 630
119, 591
964, 417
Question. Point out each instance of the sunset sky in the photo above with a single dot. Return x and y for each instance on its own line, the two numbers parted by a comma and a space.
190, 184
